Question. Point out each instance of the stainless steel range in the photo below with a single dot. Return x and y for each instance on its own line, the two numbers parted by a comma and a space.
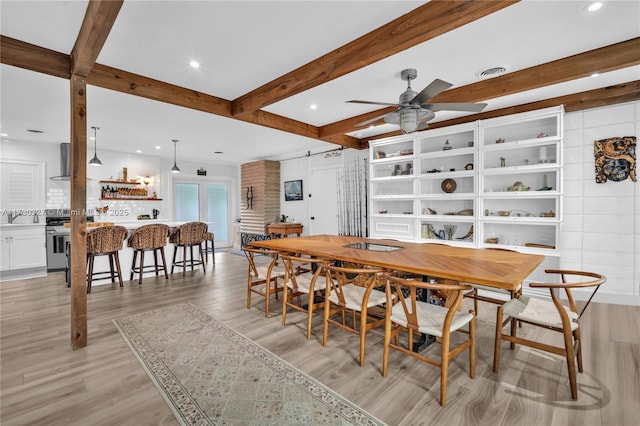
57, 237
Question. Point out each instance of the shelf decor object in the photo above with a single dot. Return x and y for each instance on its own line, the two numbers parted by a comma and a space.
615, 159
449, 185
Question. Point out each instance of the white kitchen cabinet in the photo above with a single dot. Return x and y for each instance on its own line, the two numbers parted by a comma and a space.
22, 251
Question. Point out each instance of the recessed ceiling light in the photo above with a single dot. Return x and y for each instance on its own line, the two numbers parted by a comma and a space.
595, 74
194, 64
34, 131
313, 106
138, 151
157, 146
593, 6
217, 152
3, 134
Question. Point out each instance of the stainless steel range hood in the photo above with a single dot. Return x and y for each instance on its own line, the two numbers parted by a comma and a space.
65, 162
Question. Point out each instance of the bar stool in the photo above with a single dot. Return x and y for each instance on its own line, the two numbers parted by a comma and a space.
149, 238
208, 238
188, 235
105, 241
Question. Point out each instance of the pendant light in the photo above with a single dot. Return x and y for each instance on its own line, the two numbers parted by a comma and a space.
95, 161
175, 168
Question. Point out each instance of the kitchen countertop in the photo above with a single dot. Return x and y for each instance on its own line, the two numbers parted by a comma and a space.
129, 225
15, 225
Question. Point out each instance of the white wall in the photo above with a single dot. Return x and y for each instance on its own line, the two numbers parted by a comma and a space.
601, 227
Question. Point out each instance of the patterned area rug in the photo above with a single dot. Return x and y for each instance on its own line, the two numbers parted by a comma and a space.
210, 374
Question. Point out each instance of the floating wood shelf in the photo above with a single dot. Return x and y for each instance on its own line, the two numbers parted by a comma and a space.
131, 198
121, 182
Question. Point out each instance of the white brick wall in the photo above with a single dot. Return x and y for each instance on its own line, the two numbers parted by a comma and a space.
601, 227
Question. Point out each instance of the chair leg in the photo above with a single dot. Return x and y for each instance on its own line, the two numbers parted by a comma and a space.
90, 273
514, 330
387, 342
325, 328
141, 267
472, 348
285, 299
444, 368
111, 268
155, 260
576, 336
496, 349
173, 262
164, 263
311, 305
267, 291
213, 252
202, 258
363, 333
184, 261
571, 363
133, 264
117, 260
249, 281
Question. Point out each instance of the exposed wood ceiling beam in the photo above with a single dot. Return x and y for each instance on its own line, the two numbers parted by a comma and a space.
610, 95
421, 24
97, 23
609, 58
34, 58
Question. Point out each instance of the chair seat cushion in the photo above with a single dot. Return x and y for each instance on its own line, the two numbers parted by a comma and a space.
276, 272
304, 282
538, 311
430, 317
353, 295
493, 289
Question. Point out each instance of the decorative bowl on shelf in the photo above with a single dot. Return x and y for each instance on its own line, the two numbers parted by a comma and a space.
449, 185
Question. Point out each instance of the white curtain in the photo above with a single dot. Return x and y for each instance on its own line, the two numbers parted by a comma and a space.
353, 197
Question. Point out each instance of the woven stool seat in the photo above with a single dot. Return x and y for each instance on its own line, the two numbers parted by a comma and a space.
105, 241
188, 235
149, 238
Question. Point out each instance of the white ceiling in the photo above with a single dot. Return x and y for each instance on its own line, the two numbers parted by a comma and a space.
244, 44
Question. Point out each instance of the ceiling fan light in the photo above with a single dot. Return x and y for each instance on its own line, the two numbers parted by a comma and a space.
409, 120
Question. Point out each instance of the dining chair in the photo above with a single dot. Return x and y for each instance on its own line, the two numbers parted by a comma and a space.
105, 241
190, 234
352, 289
404, 312
493, 295
263, 278
152, 238
552, 315
300, 279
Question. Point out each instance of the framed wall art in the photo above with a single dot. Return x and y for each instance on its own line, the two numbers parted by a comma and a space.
293, 190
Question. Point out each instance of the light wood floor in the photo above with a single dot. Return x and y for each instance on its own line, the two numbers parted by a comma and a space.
45, 382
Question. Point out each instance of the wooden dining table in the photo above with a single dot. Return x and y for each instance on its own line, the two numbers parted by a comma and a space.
495, 268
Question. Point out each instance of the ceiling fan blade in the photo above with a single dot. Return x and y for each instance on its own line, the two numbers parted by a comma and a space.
433, 89
371, 120
470, 107
372, 103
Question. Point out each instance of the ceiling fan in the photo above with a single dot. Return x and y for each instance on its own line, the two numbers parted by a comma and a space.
413, 111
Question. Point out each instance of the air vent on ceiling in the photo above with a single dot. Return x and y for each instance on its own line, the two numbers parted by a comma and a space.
491, 72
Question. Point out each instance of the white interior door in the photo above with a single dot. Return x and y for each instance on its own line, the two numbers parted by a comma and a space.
323, 204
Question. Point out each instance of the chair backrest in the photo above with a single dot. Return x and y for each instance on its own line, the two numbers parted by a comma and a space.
189, 233
149, 236
589, 279
403, 291
338, 276
106, 239
292, 264
251, 252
